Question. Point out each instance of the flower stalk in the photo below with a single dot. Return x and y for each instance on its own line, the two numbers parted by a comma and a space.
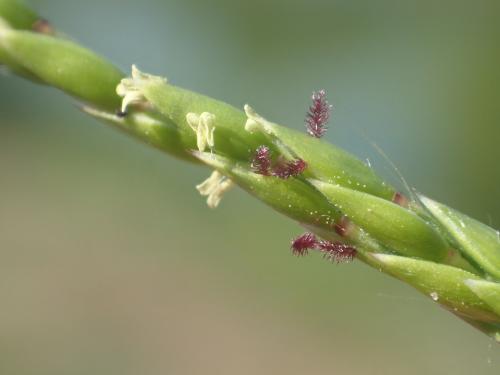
351, 212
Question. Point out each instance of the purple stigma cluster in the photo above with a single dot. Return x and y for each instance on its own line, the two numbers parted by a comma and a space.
318, 115
262, 164
333, 251
286, 169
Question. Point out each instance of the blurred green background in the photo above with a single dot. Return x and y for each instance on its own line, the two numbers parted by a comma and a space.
111, 263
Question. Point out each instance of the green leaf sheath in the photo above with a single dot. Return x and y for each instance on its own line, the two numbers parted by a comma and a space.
64, 65
442, 283
17, 14
390, 224
488, 291
150, 127
478, 242
453, 259
334, 165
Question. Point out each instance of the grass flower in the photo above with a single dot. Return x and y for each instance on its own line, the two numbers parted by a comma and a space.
349, 211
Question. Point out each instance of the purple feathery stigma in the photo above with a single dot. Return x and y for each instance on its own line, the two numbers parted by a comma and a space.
318, 115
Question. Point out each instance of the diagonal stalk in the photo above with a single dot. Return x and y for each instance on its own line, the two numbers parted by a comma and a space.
449, 257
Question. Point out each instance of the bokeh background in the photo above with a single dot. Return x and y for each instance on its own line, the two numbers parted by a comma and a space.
111, 263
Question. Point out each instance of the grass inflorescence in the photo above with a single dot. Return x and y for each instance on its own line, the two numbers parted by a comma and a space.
349, 212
